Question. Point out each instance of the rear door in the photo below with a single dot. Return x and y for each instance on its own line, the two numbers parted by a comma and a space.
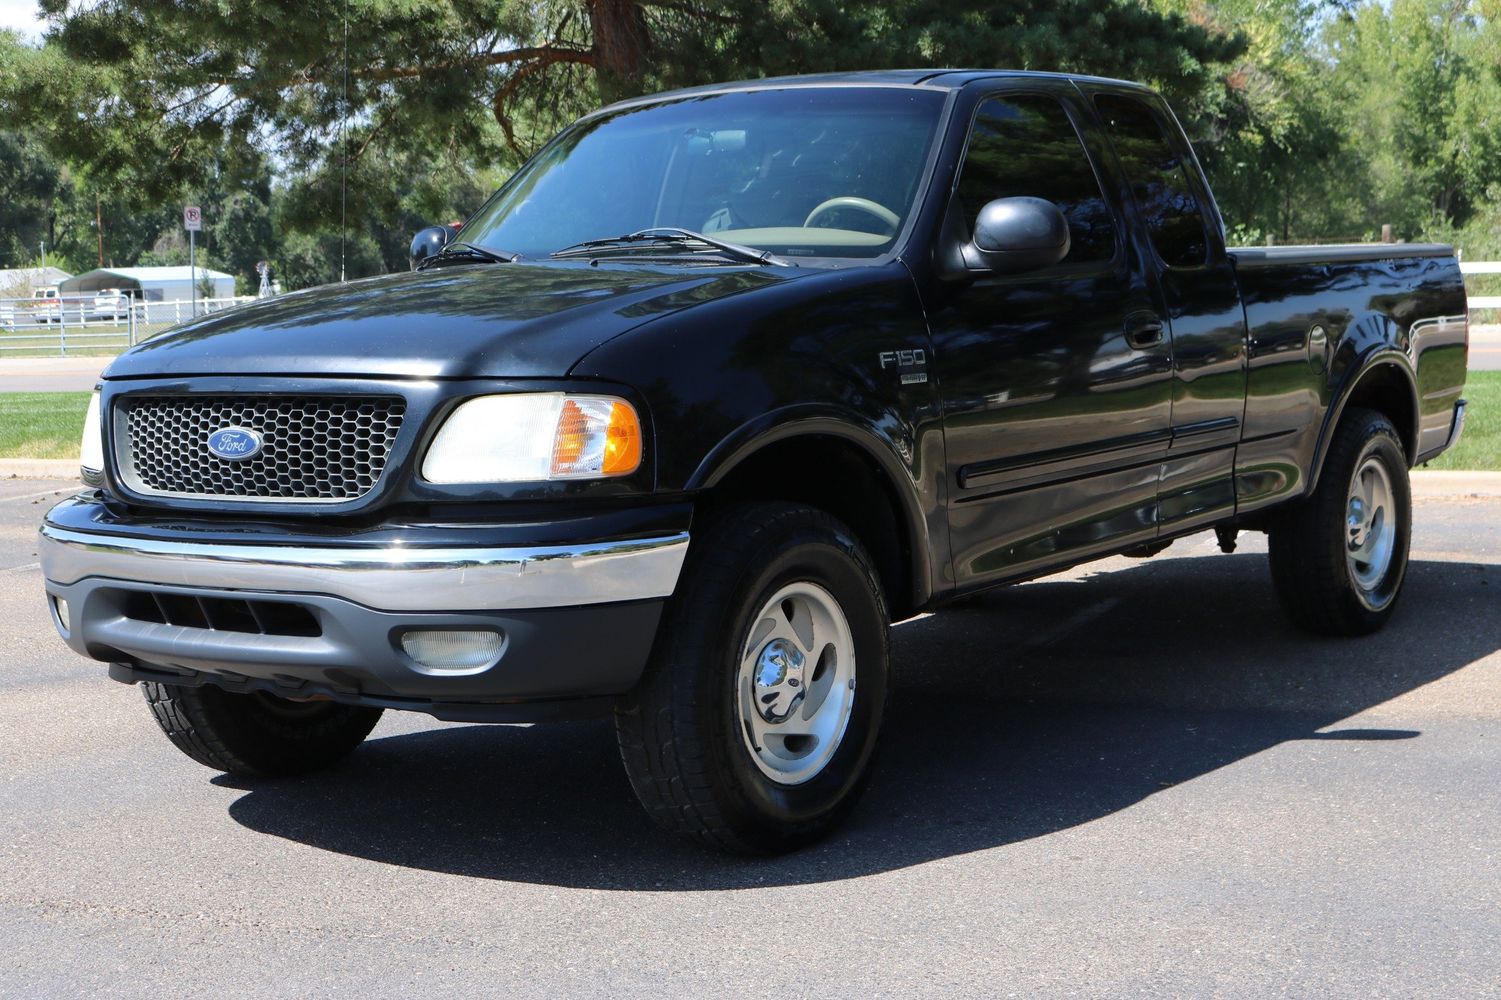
1202, 299
1055, 384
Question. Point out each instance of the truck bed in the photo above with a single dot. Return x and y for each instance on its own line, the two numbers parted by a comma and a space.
1318, 318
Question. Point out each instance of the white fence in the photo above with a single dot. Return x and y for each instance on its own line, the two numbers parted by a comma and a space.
1482, 267
88, 325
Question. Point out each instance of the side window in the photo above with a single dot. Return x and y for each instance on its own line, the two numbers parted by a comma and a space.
1159, 180
1025, 145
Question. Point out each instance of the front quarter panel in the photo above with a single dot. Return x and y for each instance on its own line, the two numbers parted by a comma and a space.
804, 357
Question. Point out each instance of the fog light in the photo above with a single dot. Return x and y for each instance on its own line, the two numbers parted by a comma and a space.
453, 651
61, 607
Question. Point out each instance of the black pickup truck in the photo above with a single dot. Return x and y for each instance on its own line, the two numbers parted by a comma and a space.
717, 386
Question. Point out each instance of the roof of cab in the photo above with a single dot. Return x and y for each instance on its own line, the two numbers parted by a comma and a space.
936, 79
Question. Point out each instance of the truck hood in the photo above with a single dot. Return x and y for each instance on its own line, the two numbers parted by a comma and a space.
521, 320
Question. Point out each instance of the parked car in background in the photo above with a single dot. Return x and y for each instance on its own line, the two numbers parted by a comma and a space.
716, 387
111, 304
46, 304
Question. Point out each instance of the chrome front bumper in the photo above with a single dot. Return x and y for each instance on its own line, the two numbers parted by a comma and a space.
577, 621
388, 579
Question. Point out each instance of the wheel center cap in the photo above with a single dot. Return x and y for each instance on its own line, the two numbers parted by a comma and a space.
779, 680
1357, 521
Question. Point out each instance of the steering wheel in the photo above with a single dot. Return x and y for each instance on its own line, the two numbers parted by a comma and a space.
865, 205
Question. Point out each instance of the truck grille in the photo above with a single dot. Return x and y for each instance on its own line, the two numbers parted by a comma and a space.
315, 449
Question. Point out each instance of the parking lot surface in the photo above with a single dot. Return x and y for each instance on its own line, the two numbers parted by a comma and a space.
1130, 779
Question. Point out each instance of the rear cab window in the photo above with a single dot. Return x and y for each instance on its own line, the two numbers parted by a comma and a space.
1159, 180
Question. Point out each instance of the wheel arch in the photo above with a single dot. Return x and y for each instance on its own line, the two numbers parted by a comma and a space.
854, 463
1385, 383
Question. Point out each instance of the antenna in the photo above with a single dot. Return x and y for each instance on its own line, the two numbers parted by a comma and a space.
344, 152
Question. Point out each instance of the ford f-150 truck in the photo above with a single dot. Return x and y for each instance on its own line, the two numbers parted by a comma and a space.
719, 385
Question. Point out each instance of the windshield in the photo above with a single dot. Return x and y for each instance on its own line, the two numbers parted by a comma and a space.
805, 171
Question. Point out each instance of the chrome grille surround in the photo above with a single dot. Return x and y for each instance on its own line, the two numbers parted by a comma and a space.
324, 449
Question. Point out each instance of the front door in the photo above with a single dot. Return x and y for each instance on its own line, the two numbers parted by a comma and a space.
1055, 384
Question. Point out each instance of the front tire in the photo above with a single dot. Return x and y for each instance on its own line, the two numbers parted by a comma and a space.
754, 726
1339, 558
257, 735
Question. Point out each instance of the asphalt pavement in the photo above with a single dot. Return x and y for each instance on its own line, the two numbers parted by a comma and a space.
1134, 779
1485, 348
60, 374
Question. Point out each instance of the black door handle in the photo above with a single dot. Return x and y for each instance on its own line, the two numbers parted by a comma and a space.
1143, 330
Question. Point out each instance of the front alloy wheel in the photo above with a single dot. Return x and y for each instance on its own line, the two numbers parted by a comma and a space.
797, 683
257, 735
754, 726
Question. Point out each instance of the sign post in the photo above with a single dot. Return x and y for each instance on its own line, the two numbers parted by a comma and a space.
192, 221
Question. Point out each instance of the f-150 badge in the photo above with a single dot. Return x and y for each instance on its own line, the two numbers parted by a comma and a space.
911, 365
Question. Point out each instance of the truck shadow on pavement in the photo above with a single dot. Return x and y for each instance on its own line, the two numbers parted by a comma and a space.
1018, 715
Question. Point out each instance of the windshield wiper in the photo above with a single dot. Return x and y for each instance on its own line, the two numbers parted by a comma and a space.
673, 236
467, 253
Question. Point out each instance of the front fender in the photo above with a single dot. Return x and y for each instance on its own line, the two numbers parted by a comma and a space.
893, 457
728, 378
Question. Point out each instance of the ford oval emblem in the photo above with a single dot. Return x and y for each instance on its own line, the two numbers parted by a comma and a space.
235, 443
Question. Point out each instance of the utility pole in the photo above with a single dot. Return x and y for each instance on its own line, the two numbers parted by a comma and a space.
99, 228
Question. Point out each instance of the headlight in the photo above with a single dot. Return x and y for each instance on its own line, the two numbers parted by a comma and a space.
91, 450
530, 437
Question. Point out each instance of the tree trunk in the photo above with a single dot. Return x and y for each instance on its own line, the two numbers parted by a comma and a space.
621, 41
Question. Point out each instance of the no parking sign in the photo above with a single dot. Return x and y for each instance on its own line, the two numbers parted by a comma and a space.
192, 218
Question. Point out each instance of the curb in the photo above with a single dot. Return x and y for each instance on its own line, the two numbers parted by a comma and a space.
1446, 483
38, 468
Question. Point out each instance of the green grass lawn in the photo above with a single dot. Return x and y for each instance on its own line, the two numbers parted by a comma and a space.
49, 424
41, 424
1480, 448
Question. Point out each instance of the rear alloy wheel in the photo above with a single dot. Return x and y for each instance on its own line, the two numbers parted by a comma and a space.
754, 725
1340, 557
1370, 530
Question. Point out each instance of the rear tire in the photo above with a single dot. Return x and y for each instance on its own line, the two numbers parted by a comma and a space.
748, 731
257, 735
1339, 558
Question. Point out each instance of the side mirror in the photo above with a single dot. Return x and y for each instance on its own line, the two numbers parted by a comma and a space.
1017, 234
429, 242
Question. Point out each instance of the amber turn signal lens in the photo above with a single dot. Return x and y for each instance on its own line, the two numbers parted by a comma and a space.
622, 441
595, 436
571, 438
